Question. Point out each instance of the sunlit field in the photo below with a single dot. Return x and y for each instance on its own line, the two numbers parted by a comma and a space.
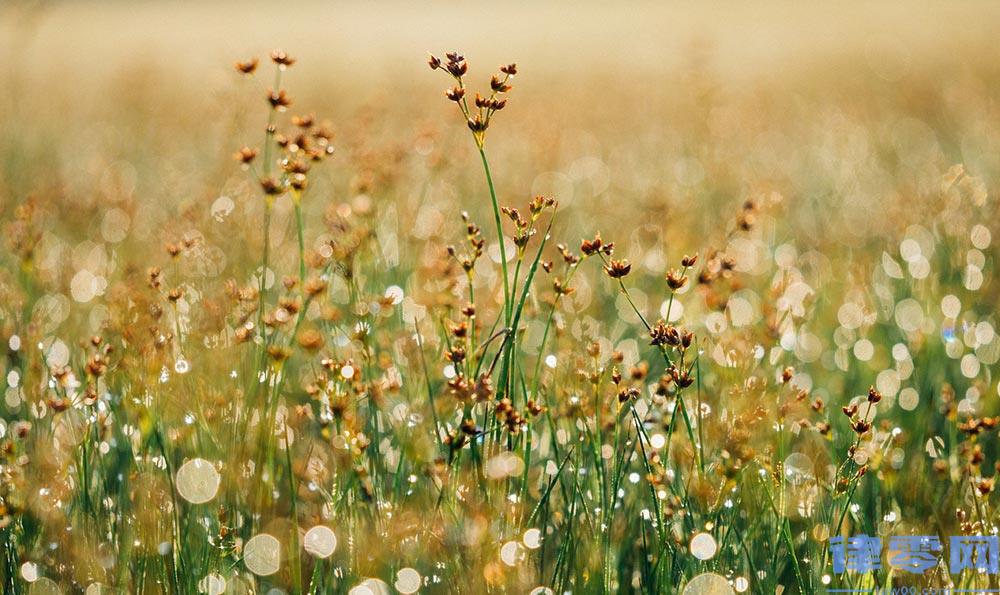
540, 299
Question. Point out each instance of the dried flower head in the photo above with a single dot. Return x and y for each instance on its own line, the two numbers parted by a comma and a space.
246, 155
247, 66
279, 99
282, 59
617, 269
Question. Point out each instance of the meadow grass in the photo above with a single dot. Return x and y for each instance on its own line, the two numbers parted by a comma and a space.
352, 360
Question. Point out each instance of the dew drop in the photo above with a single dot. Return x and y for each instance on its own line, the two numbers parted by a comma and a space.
395, 294
407, 581
262, 554
511, 553
532, 539
708, 583
741, 584
212, 584
799, 469
197, 481
703, 546
44, 586
222, 207
29, 571
320, 541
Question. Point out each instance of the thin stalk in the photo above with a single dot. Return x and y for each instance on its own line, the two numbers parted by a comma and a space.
503, 251
300, 227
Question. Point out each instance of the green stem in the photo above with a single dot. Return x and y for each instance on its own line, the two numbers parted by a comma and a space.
499, 224
262, 290
302, 241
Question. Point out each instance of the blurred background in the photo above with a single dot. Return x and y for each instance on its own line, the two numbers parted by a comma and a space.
656, 119
697, 81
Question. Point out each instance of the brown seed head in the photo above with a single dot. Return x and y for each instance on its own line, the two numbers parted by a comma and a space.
591, 247
279, 100
477, 124
247, 66
873, 395
282, 59
245, 155
499, 85
271, 186
311, 339
456, 65
617, 269
676, 279
304, 121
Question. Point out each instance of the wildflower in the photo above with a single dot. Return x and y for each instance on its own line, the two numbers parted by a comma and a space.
617, 269
469, 427
310, 339
271, 186
455, 355
247, 66
96, 366
484, 388
246, 155
282, 59
478, 120
664, 334
278, 354
499, 85
676, 279
279, 99
561, 288
314, 286
477, 124
153, 276
874, 396
591, 247
568, 257
681, 377
628, 394
456, 65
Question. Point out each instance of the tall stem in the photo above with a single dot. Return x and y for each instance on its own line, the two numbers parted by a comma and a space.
268, 203
503, 251
263, 266
302, 241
